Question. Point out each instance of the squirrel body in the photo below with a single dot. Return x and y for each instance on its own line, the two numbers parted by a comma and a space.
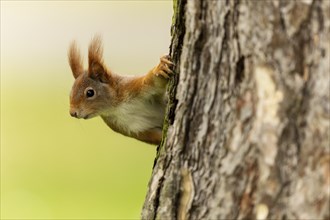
131, 105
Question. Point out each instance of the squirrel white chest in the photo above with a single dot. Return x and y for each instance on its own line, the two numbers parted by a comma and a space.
136, 116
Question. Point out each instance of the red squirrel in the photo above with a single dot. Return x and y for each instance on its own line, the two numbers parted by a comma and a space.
131, 105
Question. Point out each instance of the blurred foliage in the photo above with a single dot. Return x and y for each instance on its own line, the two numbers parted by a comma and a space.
55, 166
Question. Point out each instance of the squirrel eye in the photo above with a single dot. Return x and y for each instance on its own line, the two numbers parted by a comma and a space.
89, 93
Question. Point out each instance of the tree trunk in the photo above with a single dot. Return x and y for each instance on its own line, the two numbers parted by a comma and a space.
247, 130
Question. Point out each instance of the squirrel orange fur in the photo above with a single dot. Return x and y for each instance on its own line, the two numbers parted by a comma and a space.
131, 105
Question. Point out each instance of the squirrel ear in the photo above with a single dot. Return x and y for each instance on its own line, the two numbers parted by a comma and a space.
98, 72
96, 69
75, 60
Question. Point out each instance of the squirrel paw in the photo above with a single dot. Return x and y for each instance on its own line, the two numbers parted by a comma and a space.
164, 68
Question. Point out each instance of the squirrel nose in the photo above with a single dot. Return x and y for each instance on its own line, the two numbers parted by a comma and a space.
73, 114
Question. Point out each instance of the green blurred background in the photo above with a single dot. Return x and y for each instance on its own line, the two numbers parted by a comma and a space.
54, 166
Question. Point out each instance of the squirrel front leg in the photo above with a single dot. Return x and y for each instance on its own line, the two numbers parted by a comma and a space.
155, 78
162, 72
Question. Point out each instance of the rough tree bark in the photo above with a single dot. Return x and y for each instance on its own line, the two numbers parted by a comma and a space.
247, 130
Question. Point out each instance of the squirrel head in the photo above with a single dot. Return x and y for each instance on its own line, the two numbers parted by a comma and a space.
93, 88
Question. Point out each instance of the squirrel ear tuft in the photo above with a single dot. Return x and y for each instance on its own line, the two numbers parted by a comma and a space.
96, 69
75, 60
95, 51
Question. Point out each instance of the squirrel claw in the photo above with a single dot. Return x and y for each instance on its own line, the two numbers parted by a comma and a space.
164, 67
163, 74
167, 59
